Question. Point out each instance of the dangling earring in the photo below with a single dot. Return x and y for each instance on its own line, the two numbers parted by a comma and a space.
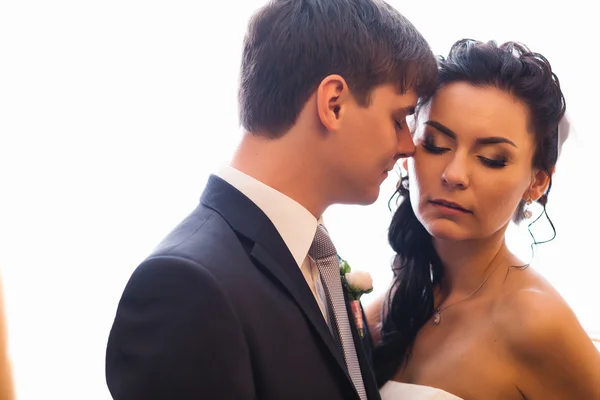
402, 182
527, 213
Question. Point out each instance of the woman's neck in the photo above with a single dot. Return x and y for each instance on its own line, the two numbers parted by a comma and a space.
468, 263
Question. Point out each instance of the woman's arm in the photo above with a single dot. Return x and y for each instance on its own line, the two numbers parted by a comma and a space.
373, 313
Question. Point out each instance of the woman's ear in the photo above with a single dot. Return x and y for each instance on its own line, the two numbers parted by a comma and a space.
538, 187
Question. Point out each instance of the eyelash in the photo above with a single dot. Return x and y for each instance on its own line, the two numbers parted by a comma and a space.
433, 149
493, 163
399, 125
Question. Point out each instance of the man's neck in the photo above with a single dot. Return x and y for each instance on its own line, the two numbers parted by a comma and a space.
283, 164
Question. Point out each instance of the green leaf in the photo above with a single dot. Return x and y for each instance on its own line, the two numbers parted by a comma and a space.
344, 267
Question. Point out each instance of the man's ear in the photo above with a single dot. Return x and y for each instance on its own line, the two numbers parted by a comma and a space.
332, 97
539, 184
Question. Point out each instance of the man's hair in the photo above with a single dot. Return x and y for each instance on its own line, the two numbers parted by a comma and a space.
292, 45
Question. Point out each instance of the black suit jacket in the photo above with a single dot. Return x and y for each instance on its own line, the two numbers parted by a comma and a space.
221, 310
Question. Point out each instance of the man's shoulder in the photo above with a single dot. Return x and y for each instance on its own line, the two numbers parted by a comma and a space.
202, 246
195, 228
203, 237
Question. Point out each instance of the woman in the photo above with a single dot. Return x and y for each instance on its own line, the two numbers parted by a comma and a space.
464, 317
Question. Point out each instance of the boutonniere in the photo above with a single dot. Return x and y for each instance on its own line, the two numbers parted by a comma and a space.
356, 283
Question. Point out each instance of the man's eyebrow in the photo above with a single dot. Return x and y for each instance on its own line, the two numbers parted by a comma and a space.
408, 110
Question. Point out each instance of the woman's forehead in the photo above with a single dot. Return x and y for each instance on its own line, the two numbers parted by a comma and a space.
478, 111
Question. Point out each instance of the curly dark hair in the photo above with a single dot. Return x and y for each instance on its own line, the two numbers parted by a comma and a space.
417, 268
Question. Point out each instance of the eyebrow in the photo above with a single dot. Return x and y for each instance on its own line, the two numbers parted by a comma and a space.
481, 141
408, 110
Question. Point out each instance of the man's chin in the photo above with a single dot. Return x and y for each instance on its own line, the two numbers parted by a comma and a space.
360, 199
368, 197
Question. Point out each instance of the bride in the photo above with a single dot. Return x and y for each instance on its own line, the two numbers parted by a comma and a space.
464, 318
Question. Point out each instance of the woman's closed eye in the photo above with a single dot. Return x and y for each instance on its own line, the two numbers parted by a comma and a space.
500, 162
430, 146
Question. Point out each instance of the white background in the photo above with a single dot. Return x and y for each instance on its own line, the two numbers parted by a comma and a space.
113, 113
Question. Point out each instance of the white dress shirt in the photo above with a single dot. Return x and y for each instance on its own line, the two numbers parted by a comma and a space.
295, 224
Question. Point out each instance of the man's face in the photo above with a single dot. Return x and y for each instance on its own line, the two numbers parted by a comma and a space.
369, 142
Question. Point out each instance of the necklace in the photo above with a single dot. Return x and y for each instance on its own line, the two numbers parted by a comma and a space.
437, 315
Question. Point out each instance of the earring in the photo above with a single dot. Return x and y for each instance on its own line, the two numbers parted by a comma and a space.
405, 183
402, 182
527, 213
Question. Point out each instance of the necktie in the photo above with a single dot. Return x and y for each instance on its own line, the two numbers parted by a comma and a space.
324, 253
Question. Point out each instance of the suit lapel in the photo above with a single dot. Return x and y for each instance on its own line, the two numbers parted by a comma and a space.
299, 291
270, 254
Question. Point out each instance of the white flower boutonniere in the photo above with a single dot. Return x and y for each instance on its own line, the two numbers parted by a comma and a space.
357, 283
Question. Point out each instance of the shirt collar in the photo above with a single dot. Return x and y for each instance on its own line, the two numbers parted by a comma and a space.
295, 224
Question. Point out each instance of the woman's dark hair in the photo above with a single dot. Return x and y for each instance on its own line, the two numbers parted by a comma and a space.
417, 268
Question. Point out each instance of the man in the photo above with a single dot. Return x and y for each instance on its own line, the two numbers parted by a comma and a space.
242, 300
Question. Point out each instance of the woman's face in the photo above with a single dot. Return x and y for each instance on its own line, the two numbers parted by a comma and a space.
473, 162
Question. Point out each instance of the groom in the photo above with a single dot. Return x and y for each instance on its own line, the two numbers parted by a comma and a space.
243, 299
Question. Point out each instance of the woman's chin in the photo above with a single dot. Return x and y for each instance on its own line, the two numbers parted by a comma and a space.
444, 229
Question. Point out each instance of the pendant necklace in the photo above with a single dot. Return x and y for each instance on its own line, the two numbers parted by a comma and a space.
437, 314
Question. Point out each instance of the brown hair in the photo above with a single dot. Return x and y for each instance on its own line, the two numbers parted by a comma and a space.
292, 45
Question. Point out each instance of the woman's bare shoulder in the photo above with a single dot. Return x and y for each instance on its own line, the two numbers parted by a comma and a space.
546, 340
531, 309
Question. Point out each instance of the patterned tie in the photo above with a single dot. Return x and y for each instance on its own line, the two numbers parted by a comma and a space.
323, 252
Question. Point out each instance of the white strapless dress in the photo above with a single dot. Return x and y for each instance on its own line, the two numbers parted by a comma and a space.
406, 391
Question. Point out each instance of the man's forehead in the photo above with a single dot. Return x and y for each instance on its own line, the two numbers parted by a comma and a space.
407, 99
390, 96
